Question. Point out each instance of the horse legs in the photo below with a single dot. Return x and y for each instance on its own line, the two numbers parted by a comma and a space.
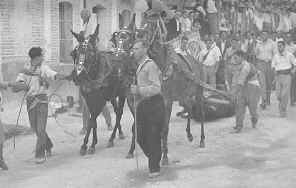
85, 141
93, 124
118, 109
188, 130
119, 116
165, 131
202, 130
130, 154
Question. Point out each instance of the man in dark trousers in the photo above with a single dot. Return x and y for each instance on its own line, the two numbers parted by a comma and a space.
149, 107
34, 80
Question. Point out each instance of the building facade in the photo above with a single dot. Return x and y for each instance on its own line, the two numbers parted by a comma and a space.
47, 23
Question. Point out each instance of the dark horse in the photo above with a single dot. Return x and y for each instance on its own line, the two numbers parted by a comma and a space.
102, 77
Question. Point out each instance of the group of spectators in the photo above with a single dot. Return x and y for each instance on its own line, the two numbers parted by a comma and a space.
271, 53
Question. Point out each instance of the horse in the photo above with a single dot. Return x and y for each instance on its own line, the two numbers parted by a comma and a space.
181, 81
102, 77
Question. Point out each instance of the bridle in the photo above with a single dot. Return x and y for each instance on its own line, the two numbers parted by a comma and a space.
80, 58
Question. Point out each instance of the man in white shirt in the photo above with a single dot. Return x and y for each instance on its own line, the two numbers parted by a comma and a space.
209, 59
283, 63
265, 51
89, 22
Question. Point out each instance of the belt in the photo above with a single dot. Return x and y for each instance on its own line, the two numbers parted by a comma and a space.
264, 61
284, 72
36, 99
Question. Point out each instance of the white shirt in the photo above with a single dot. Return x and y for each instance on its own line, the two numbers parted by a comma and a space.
211, 7
283, 62
90, 26
34, 82
265, 50
212, 58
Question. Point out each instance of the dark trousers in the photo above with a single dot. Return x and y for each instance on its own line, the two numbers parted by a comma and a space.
1, 152
150, 119
265, 68
38, 112
293, 89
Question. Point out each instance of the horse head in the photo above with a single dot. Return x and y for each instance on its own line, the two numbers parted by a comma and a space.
85, 56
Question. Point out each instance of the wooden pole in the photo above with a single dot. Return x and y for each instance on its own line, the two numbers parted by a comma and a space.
84, 3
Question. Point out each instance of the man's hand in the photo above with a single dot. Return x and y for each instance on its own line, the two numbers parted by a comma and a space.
63, 77
134, 89
18, 86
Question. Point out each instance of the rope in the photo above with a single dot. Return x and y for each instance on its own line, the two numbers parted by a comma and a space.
136, 132
18, 117
19, 112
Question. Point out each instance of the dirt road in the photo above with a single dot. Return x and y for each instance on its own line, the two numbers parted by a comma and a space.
262, 157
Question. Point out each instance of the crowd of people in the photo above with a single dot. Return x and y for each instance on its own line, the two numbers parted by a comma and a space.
247, 65
216, 51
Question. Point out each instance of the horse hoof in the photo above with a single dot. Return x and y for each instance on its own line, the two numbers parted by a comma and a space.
190, 137
110, 144
83, 150
121, 136
202, 144
129, 156
165, 161
91, 150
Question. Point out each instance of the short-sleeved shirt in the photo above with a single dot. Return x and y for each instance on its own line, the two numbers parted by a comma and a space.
90, 27
283, 62
265, 50
212, 56
35, 82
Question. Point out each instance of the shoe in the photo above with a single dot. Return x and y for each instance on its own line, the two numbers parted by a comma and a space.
254, 122
3, 165
40, 160
235, 127
154, 175
48, 153
238, 130
263, 106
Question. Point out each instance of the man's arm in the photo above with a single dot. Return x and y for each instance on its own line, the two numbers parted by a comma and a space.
218, 57
53, 75
20, 83
293, 63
